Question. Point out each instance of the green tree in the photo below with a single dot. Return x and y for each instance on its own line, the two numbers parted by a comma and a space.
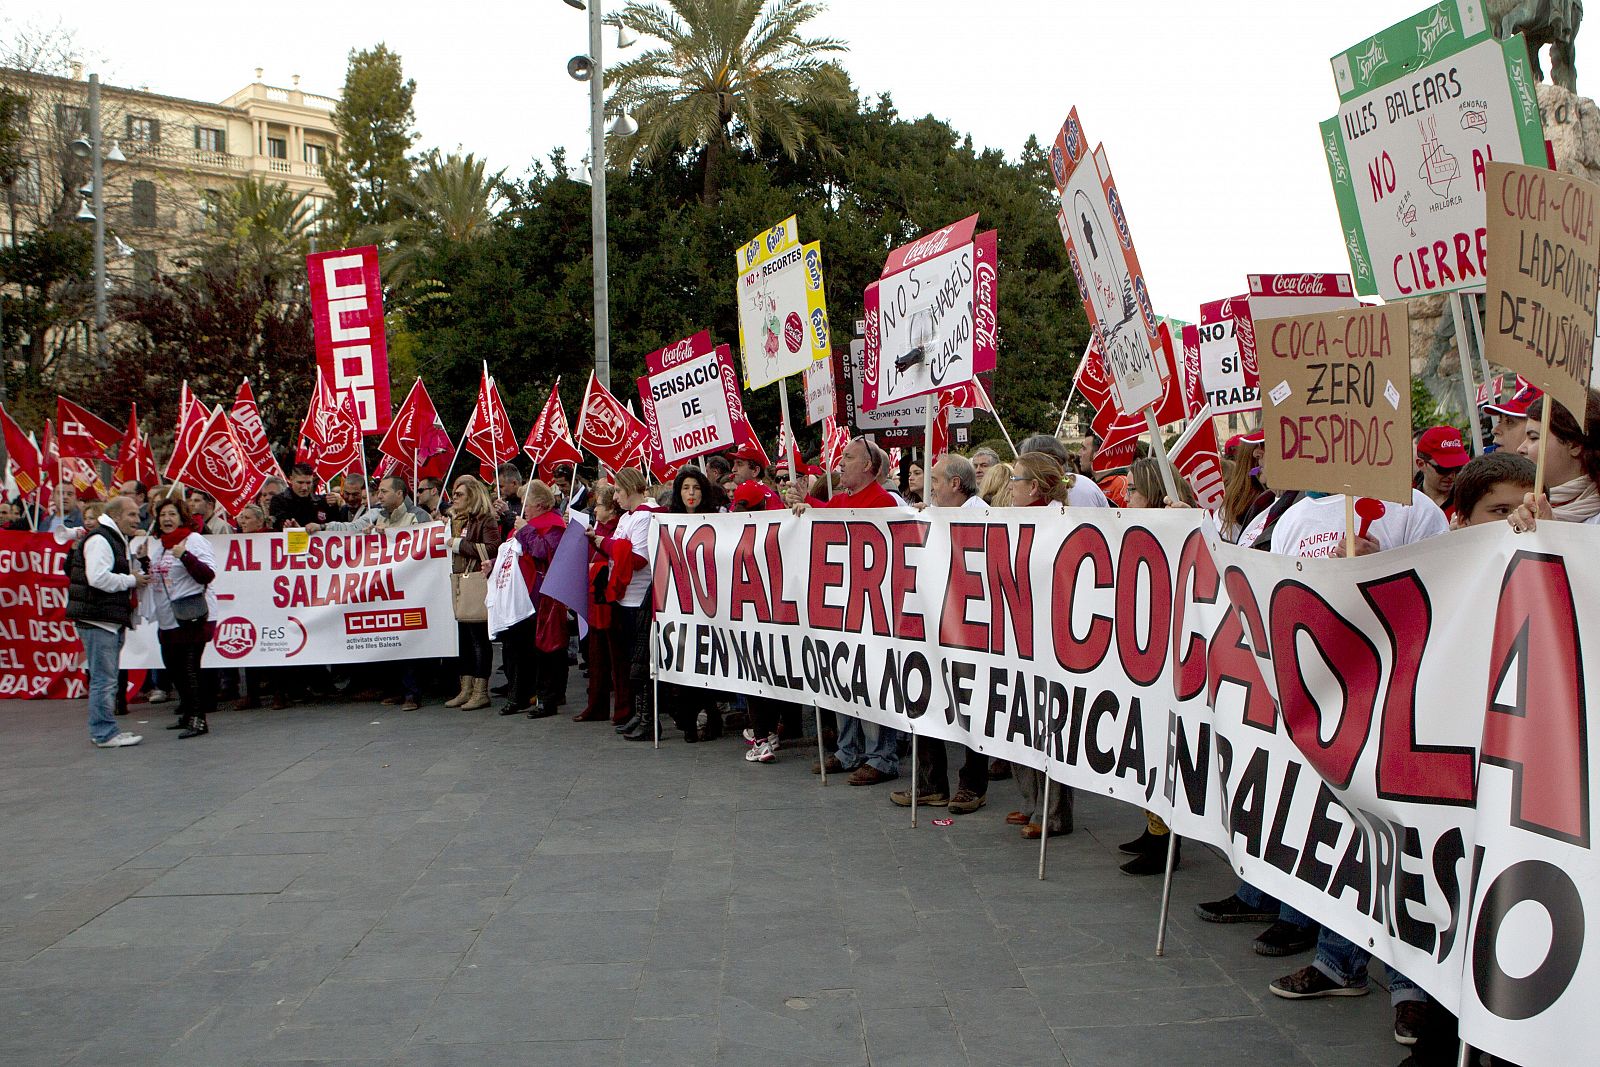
725, 67
374, 121
452, 200
263, 221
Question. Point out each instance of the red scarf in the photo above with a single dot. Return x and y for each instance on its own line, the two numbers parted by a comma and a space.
172, 540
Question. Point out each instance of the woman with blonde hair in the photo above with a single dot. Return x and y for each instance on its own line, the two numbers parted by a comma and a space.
995, 489
1147, 489
1036, 480
474, 540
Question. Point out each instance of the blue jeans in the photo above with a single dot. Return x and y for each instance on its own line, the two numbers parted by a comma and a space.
885, 755
1344, 962
101, 650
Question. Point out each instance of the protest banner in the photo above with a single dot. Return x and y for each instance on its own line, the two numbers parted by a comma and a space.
1544, 260
1110, 280
925, 323
900, 423
1276, 296
41, 657
347, 324
692, 401
783, 308
1395, 745
818, 382
1226, 385
1337, 402
348, 598
1198, 460
1423, 107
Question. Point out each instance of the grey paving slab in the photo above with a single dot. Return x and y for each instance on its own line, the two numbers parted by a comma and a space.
507, 891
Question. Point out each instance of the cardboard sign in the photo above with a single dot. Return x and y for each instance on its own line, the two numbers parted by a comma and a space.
1545, 245
783, 309
1424, 106
820, 398
929, 320
1337, 403
347, 323
1110, 280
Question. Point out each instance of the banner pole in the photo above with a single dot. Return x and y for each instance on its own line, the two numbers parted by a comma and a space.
1169, 480
1166, 891
913, 777
1349, 526
822, 755
1065, 408
1043, 815
788, 427
1464, 1056
1545, 404
1464, 357
1475, 317
655, 688
995, 412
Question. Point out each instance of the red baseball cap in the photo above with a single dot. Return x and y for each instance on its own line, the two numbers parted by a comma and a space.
1517, 407
1257, 437
1442, 446
752, 494
750, 452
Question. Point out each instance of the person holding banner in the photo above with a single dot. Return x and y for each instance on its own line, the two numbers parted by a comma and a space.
1571, 465
182, 566
474, 541
693, 494
1037, 481
630, 549
954, 484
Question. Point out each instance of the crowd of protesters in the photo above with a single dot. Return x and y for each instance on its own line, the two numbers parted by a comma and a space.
166, 578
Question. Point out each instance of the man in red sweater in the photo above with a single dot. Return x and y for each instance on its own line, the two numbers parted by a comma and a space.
859, 469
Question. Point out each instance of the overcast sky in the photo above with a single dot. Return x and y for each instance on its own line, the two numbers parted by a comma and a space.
1208, 108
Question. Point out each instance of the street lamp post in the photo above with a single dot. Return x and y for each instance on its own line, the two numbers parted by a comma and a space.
597, 200
97, 173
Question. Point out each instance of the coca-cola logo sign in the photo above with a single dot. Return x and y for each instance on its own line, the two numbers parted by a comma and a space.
983, 305
1297, 284
1245, 330
672, 355
927, 247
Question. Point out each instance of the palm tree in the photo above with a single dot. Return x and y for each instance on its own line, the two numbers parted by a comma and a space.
264, 220
723, 61
452, 200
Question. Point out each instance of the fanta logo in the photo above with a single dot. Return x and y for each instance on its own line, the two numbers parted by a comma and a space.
814, 268
819, 328
236, 637
774, 238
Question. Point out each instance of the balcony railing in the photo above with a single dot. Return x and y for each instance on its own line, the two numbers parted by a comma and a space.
186, 157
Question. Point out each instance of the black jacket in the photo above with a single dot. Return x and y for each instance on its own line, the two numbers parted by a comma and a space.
84, 601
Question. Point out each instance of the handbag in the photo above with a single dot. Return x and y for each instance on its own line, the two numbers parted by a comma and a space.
191, 608
469, 592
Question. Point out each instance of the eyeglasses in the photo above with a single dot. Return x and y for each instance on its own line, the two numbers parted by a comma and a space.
1016, 478
1442, 470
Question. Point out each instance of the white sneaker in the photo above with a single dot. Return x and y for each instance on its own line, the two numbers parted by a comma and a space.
750, 738
761, 752
157, 696
119, 740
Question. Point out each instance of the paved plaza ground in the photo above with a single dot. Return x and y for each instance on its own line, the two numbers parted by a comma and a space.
355, 884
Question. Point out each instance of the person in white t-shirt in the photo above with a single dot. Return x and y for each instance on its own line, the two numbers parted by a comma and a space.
1314, 527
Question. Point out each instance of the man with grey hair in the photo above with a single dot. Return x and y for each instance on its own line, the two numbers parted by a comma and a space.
983, 459
859, 469
101, 576
953, 483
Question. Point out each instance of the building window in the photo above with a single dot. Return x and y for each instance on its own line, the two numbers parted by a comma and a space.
72, 121
317, 154
144, 203
25, 185
207, 139
210, 209
145, 130
277, 148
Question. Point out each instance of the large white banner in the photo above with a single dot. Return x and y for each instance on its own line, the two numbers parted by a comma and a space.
348, 598
1396, 745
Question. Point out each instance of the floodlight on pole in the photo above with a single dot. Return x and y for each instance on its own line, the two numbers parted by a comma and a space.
626, 38
115, 155
624, 126
85, 212
80, 148
580, 68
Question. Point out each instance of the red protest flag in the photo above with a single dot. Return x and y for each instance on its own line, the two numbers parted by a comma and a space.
340, 432
22, 456
135, 461
1198, 461
85, 478
190, 423
549, 443
835, 439
218, 465
489, 435
607, 429
416, 434
81, 433
251, 434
